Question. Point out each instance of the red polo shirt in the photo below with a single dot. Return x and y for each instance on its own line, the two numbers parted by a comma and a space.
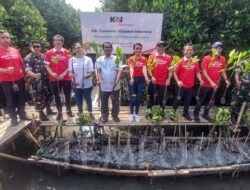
186, 71
160, 64
213, 69
138, 64
11, 58
58, 61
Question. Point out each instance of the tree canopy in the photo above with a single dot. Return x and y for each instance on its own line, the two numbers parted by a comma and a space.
198, 21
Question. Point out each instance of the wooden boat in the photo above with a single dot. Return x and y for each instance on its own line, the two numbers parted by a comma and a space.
166, 149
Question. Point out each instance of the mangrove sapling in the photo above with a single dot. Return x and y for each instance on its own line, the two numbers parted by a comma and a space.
156, 114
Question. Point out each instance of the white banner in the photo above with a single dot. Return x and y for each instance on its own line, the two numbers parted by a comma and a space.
122, 29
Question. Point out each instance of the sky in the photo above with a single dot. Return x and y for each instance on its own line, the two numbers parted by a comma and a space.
84, 5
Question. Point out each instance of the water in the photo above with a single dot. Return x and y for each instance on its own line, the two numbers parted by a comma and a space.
19, 176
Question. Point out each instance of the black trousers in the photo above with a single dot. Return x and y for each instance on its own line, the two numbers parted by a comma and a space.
15, 101
156, 94
114, 95
204, 99
186, 94
57, 87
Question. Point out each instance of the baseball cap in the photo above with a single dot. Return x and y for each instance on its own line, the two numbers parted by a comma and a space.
35, 43
217, 44
160, 43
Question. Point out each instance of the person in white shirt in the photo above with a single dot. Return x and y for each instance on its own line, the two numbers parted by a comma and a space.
81, 70
108, 76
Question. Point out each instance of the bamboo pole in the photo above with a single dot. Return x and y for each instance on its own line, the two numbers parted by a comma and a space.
202, 134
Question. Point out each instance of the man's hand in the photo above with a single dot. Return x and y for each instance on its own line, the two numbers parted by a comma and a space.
167, 82
60, 77
131, 81
238, 83
153, 80
214, 86
54, 75
180, 84
201, 82
37, 76
227, 83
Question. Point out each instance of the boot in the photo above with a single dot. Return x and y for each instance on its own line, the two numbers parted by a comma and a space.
187, 116
206, 116
49, 111
59, 116
42, 116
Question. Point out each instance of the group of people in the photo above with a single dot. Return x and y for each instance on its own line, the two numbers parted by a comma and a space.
58, 71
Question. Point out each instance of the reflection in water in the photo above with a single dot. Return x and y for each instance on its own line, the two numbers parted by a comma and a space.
19, 176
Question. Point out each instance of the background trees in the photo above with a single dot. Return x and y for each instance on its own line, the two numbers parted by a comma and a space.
199, 21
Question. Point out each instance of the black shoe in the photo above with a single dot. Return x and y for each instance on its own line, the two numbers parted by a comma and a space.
70, 114
187, 116
104, 120
13, 122
43, 117
116, 119
207, 117
49, 111
59, 116
197, 118
25, 117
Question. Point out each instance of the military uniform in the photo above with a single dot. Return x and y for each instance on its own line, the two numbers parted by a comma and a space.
41, 88
240, 95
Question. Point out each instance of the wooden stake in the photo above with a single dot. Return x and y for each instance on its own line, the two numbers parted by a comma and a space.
247, 138
218, 141
240, 116
201, 143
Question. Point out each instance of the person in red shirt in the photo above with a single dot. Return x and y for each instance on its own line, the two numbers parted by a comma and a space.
57, 60
184, 76
213, 68
138, 75
158, 66
12, 79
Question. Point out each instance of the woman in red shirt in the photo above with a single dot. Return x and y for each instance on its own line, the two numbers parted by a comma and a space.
138, 75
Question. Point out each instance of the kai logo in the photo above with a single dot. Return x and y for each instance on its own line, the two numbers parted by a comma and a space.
117, 19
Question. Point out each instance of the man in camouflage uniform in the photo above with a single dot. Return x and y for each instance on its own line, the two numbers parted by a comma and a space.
35, 68
241, 92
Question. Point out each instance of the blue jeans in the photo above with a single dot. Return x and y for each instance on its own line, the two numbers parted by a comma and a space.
86, 94
137, 89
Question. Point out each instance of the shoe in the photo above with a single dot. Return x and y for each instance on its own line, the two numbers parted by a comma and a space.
187, 116
13, 122
49, 111
59, 116
137, 118
131, 117
70, 114
197, 118
25, 117
104, 120
116, 119
207, 117
43, 117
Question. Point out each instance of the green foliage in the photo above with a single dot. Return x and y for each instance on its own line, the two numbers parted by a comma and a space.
198, 21
119, 55
175, 116
84, 119
222, 116
175, 62
155, 114
3, 15
96, 48
60, 19
25, 23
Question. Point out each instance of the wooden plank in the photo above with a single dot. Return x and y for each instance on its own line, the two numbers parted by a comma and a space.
7, 132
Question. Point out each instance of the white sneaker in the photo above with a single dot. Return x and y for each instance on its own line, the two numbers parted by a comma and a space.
131, 117
137, 117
